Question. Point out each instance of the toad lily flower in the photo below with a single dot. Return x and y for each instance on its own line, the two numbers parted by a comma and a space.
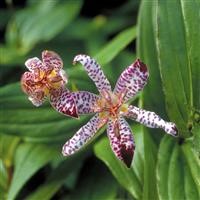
111, 107
47, 79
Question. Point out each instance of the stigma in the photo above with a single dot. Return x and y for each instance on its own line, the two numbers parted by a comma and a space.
110, 105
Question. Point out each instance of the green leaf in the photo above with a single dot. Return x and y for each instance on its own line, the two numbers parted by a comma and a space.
58, 177
20, 118
196, 139
3, 177
164, 154
150, 152
32, 30
126, 177
191, 17
176, 175
176, 66
116, 45
29, 159
146, 50
193, 162
191, 190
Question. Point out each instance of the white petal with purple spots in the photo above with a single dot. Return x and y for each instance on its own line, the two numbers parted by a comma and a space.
94, 71
64, 103
121, 140
85, 101
52, 60
151, 119
34, 63
82, 136
132, 80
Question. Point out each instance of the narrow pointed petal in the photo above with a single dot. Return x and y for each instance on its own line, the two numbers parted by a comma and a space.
52, 60
132, 80
151, 119
27, 82
85, 101
121, 140
64, 103
94, 71
37, 98
35, 94
82, 136
34, 63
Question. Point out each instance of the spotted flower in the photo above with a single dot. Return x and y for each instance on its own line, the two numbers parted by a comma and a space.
111, 108
46, 79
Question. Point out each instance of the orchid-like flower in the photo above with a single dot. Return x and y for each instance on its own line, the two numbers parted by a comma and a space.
110, 107
46, 79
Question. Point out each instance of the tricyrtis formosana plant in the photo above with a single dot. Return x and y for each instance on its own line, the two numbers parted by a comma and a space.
46, 79
133, 162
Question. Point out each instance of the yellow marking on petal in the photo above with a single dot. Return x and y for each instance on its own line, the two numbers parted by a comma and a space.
56, 85
124, 108
42, 74
46, 91
52, 74
103, 115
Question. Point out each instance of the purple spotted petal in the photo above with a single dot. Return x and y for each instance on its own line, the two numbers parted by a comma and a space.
64, 103
132, 80
85, 101
37, 98
52, 60
150, 119
121, 140
82, 136
34, 63
94, 71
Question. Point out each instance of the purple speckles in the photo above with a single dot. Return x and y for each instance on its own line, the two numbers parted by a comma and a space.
52, 59
122, 145
82, 136
94, 71
151, 119
132, 78
85, 101
64, 103
111, 107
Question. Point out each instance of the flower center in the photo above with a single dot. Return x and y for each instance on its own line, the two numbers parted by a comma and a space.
110, 105
48, 80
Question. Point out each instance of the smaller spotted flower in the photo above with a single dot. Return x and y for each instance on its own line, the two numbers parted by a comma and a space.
111, 108
46, 79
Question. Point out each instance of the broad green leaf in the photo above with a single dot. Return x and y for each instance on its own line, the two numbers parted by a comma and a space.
190, 187
196, 139
146, 50
175, 179
191, 18
174, 62
164, 154
176, 175
29, 159
193, 162
126, 177
150, 152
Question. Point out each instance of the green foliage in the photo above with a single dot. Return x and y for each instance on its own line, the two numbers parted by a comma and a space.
168, 37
